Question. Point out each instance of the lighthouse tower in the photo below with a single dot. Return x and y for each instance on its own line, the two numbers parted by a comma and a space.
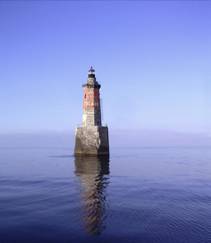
91, 137
91, 101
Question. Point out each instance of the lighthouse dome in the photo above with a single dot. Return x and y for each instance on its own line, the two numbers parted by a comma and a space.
91, 81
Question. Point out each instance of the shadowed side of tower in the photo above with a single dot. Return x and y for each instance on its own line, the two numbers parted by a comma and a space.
91, 138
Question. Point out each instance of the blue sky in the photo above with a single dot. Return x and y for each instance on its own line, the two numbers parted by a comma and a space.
153, 60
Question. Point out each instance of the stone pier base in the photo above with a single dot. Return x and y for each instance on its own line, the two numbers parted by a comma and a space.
91, 140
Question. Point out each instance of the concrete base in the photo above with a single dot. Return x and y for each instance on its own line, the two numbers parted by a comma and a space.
91, 140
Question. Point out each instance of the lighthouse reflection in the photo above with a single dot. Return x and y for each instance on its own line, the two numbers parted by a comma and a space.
93, 173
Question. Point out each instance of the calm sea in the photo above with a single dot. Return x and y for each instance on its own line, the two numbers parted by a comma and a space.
139, 194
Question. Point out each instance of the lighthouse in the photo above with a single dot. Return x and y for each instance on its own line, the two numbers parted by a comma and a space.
91, 137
